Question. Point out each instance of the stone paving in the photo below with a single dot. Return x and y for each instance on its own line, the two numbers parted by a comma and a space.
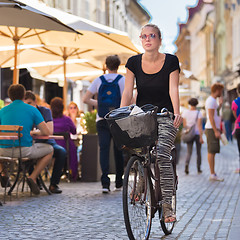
205, 210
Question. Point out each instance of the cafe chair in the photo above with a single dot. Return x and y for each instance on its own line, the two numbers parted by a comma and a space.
10, 166
16, 169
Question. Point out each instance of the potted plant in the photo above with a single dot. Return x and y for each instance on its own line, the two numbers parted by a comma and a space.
90, 165
89, 120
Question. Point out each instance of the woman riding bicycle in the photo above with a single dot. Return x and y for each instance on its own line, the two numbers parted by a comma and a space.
157, 80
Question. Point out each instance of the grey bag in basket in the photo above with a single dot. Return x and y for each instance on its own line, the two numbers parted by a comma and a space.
137, 125
133, 130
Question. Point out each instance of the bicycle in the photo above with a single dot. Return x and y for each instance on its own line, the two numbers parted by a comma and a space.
141, 185
142, 193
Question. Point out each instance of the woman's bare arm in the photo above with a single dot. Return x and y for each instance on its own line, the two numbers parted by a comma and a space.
128, 89
174, 95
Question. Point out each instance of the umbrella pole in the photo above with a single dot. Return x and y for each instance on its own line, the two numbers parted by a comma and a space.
15, 71
65, 86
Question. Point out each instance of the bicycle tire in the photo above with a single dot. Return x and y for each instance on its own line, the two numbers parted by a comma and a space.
137, 211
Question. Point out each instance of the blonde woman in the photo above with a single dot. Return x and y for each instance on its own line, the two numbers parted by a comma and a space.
157, 80
75, 114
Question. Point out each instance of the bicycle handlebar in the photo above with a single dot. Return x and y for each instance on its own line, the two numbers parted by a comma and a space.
165, 113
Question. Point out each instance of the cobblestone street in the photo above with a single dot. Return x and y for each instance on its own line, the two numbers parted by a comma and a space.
205, 210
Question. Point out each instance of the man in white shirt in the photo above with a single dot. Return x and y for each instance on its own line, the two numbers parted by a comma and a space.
212, 127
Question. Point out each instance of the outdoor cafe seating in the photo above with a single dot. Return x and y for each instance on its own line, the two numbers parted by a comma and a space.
10, 166
15, 170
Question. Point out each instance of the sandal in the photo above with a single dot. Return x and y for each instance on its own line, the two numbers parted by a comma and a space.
168, 214
135, 196
139, 190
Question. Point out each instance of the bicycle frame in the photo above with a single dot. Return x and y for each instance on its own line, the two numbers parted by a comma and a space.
153, 176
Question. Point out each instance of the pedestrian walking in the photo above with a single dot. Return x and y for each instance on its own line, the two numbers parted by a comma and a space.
193, 117
109, 88
157, 80
226, 117
236, 113
212, 127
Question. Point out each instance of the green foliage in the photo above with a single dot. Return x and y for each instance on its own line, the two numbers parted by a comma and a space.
90, 121
1, 103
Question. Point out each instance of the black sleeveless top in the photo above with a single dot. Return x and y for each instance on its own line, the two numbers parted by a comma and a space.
153, 88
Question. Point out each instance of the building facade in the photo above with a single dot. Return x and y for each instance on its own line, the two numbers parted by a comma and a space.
232, 77
213, 33
125, 15
195, 47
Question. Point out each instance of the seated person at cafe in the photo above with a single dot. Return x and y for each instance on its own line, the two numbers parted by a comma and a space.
62, 123
22, 114
59, 153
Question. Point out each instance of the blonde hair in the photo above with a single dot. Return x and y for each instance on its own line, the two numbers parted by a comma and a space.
75, 105
155, 27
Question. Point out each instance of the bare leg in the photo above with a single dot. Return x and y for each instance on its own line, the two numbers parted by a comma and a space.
211, 157
41, 164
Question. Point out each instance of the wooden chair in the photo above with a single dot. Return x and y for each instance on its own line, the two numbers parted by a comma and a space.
9, 134
13, 132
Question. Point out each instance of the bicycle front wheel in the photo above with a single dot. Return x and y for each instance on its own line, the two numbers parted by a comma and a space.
136, 200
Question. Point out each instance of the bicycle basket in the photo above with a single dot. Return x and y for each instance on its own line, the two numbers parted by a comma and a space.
136, 130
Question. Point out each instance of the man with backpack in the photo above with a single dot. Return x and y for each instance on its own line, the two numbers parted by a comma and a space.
109, 88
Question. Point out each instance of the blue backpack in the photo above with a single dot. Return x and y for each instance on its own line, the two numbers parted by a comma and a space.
109, 96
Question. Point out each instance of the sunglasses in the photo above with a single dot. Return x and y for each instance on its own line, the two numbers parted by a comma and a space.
72, 107
150, 36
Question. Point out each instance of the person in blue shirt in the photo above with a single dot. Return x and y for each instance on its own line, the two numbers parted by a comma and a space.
60, 153
22, 114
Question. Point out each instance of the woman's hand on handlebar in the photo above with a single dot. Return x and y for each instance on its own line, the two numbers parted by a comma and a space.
177, 120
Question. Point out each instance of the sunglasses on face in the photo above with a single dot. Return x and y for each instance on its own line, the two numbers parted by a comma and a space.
150, 36
72, 107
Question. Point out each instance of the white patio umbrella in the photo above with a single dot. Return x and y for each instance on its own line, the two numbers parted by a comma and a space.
86, 66
98, 40
21, 24
63, 62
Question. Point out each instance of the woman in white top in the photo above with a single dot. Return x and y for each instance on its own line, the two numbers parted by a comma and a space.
191, 117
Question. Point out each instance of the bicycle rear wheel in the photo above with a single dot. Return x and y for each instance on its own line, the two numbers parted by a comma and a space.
136, 200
